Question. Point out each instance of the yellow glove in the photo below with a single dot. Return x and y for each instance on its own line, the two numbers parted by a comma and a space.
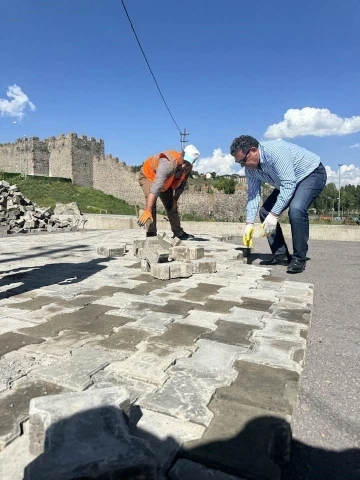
248, 235
144, 218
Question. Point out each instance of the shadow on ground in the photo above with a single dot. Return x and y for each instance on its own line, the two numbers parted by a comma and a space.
50, 274
95, 444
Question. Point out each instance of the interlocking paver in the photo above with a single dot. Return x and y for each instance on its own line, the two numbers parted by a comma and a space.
13, 341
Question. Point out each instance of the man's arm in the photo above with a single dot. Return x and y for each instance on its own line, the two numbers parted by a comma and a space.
284, 168
254, 195
162, 173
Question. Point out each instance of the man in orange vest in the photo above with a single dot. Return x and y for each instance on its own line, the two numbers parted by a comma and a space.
165, 175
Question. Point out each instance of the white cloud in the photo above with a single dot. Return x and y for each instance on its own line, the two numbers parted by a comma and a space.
219, 162
349, 175
319, 122
18, 103
356, 145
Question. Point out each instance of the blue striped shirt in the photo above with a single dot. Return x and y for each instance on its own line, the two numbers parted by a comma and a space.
282, 165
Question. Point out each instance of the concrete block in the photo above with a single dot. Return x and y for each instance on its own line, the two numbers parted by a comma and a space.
195, 253
154, 252
144, 265
138, 244
112, 251
178, 253
203, 266
45, 412
180, 270
86, 436
165, 240
160, 271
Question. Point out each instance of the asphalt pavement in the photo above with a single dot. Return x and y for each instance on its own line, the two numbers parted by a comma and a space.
326, 423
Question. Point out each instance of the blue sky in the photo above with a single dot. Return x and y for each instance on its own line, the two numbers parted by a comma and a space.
225, 68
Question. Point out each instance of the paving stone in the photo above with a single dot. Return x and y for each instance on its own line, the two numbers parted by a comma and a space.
200, 319
154, 322
256, 304
178, 253
232, 333
203, 266
16, 457
212, 360
262, 294
136, 388
148, 364
262, 386
151, 284
73, 450
221, 306
287, 312
179, 336
276, 353
34, 303
145, 266
111, 252
201, 292
8, 324
280, 329
13, 341
121, 299
44, 313
45, 412
126, 338
186, 470
17, 364
165, 434
104, 324
104, 291
242, 440
138, 244
160, 271
177, 307
63, 344
180, 270
184, 396
244, 316
75, 372
154, 252
14, 407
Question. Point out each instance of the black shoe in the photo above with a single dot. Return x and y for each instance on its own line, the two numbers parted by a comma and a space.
282, 259
296, 266
151, 234
185, 236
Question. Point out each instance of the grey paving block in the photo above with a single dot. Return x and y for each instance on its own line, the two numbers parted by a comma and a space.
165, 434
145, 266
200, 318
262, 386
136, 388
220, 306
34, 303
45, 412
138, 244
242, 440
160, 271
186, 470
75, 372
184, 396
232, 333
201, 292
245, 316
154, 252
292, 313
13, 341
126, 338
177, 307
8, 324
62, 345
179, 336
281, 329
14, 407
110, 252
256, 304
154, 323
88, 438
180, 270
149, 363
203, 266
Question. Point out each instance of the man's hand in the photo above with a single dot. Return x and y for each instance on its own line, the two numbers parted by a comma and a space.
175, 205
248, 235
269, 225
145, 217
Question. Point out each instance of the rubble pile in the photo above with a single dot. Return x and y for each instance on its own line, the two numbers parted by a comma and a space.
19, 215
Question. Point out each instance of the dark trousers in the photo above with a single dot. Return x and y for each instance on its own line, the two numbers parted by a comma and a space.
306, 192
167, 198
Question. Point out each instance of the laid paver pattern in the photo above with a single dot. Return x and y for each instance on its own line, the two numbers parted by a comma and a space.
212, 361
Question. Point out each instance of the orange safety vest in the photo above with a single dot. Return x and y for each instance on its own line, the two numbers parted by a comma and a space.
151, 164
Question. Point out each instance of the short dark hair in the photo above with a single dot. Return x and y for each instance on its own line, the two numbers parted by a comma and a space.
244, 143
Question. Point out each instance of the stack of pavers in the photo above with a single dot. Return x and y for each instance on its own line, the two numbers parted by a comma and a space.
159, 374
19, 215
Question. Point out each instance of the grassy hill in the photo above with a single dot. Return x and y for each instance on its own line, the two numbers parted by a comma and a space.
46, 192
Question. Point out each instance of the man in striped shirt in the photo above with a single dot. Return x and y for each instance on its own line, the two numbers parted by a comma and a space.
298, 177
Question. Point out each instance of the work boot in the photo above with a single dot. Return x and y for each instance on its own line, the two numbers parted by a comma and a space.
185, 236
296, 266
151, 234
283, 259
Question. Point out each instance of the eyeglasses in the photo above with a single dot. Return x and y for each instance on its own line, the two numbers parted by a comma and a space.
243, 160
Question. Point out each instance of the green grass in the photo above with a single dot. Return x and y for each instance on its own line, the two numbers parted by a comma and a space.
45, 194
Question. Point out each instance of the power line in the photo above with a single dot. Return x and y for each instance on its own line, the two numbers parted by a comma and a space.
146, 60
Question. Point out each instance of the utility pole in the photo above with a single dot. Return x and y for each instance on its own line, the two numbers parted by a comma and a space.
183, 140
339, 165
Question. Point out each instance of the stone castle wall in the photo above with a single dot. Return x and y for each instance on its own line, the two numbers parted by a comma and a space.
83, 160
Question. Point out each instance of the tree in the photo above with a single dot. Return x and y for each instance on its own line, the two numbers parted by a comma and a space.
213, 175
227, 185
